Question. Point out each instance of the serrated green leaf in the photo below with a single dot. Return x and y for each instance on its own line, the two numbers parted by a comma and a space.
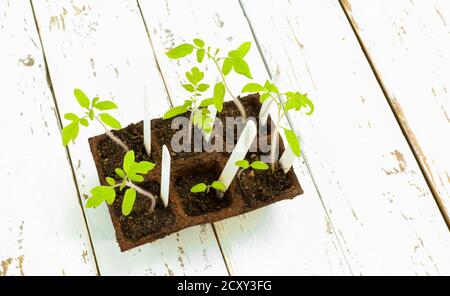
82, 99
242, 164
227, 66
71, 117
259, 165
105, 105
84, 122
70, 132
241, 67
128, 201
101, 194
271, 87
175, 112
110, 181
292, 139
199, 42
253, 88
264, 97
219, 186
120, 172
297, 101
200, 55
199, 188
180, 51
110, 121
143, 167
195, 76
128, 161
244, 49
203, 87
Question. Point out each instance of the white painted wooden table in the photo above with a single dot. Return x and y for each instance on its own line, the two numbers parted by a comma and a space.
375, 165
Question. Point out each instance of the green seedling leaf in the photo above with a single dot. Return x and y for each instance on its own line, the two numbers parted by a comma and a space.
241, 67
259, 165
271, 87
120, 172
70, 132
189, 87
110, 181
101, 194
227, 66
244, 49
219, 186
252, 88
105, 105
199, 188
208, 124
200, 55
122, 186
202, 87
180, 51
197, 118
91, 114
200, 43
71, 117
244, 164
142, 167
292, 139
94, 101
207, 102
296, 100
110, 121
195, 76
82, 99
84, 122
175, 112
264, 97
136, 178
128, 201
128, 161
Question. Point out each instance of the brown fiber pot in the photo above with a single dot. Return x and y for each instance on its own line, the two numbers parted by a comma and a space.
143, 227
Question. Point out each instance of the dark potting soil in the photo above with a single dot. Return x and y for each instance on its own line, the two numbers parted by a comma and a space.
261, 186
141, 222
111, 154
195, 204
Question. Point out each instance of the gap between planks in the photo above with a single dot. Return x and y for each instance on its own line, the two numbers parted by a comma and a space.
402, 124
169, 95
59, 121
304, 156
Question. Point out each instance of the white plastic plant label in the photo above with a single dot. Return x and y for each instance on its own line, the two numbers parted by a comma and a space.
165, 175
287, 159
240, 150
265, 111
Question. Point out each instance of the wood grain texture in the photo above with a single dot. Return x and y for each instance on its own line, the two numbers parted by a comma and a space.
408, 43
103, 48
290, 237
42, 228
367, 176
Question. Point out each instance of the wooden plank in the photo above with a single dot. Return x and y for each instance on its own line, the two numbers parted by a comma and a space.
408, 43
291, 237
103, 48
42, 228
367, 176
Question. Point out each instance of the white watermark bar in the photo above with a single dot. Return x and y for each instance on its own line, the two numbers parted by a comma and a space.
165, 175
240, 150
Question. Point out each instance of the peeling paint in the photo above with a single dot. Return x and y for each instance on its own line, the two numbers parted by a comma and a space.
5, 265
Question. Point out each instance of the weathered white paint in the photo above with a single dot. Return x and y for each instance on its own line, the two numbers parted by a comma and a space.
368, 179
409, 45
298, 230
147, 122
42, 228
103, 48
239, 152
165, 175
